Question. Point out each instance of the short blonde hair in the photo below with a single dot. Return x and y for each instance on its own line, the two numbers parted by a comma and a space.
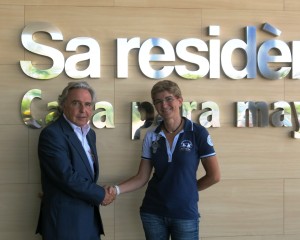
166, 85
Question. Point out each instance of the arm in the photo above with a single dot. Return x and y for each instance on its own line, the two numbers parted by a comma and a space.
212, 173
142, 177
139, 180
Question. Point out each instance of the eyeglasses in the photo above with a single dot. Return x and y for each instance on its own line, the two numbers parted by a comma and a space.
168, 99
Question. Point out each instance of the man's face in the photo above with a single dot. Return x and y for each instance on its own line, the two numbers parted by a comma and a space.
78, 106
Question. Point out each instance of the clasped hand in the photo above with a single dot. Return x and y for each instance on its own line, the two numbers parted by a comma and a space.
110, 195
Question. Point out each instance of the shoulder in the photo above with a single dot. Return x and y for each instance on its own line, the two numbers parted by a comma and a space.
153, 132
199, 128
194, 127
51, 126
199, 133
92, 133
57, 128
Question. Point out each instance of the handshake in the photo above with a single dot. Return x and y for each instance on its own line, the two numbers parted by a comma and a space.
111, 193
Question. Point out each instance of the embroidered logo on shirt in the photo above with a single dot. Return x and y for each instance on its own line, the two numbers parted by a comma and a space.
186, 145
209, 141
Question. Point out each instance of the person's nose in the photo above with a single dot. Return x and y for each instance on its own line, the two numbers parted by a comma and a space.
164, 103
82, 108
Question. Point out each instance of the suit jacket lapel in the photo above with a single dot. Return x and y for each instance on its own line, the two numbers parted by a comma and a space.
95, 156
77, 144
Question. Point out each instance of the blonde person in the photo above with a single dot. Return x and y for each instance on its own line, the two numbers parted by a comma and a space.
174, 150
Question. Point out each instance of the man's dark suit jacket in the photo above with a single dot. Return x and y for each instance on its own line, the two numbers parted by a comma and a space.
71, 197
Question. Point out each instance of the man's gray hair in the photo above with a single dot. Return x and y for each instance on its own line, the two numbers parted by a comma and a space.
74, 85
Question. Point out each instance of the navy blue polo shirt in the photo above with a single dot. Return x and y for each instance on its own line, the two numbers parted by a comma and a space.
172, 190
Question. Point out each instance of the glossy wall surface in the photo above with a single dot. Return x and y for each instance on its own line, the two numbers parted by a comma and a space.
258, 197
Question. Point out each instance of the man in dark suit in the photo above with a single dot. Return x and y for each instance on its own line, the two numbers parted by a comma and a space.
69, 171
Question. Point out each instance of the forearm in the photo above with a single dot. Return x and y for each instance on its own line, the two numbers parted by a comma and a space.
212, 173
207, 181
132, 184
138, 180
